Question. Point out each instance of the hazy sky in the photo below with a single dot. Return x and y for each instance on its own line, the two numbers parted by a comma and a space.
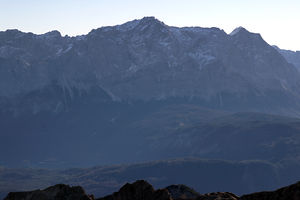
277, 20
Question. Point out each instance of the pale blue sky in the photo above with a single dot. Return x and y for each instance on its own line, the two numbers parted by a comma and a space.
277, 20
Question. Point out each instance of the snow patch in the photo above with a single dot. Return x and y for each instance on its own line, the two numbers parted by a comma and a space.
50, 35
196, 30
112, 96
61, 51
80, 37
127, 26
7, 51
133, 68
202, 58
70, 46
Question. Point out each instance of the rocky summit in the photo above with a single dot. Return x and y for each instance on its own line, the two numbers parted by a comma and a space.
142, 190
57, 192
139, 190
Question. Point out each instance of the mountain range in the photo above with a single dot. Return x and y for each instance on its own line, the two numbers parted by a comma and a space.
205, 176
132, 86
145, 91
142, 190
146, 60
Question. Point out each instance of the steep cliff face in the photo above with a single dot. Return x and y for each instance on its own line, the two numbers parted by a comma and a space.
109, 88
292, 57
148, 60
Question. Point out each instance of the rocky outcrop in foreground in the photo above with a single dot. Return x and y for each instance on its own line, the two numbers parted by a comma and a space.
57, 192
182, 192
291, 192
141, 190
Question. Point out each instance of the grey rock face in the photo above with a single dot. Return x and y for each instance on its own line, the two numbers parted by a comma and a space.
102, 90
148, 60
292, 57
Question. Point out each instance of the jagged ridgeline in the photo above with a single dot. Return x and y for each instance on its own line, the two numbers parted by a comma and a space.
118, 87
145, 91
141, 190
146, 60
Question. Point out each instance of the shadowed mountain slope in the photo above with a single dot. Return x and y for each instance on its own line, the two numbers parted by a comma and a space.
141, 90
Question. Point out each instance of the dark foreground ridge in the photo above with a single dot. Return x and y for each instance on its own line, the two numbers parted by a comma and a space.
141, 190
291, 192
57, 192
